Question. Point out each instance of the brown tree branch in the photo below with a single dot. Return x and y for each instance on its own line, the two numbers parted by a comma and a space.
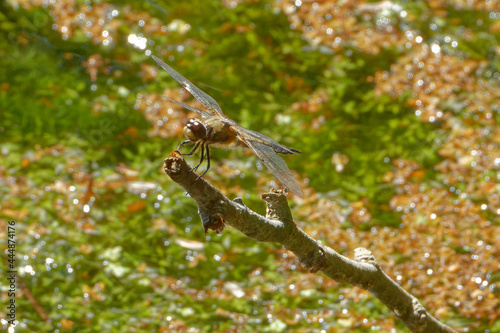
278, 226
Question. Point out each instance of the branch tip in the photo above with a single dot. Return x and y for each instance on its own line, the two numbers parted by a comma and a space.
173, 164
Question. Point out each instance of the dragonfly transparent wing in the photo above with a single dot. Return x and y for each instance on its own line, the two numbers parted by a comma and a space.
274, 163
259, 137
202, 97
203, 113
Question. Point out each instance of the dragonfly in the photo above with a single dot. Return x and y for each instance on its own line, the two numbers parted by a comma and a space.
216, 130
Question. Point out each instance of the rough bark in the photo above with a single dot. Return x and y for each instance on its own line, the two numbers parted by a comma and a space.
278, 226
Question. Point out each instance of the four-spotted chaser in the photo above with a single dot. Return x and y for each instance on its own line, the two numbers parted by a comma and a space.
217, 130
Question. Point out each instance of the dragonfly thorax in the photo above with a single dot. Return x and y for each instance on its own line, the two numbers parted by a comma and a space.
195, 130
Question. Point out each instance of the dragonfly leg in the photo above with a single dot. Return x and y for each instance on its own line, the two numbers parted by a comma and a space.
208, 164
195, 148
203, 150
182, 144
201, 159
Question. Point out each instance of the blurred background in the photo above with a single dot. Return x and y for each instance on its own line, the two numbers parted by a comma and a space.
395, 106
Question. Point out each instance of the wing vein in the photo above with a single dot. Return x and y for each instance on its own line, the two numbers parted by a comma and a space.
275, 164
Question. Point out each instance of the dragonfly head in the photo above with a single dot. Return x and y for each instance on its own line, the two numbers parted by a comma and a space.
195, 130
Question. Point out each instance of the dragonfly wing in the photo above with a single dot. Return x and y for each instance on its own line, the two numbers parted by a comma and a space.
259, 137
197, 93
274, 163
203, 113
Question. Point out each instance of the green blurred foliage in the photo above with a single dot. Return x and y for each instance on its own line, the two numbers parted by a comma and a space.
50, 99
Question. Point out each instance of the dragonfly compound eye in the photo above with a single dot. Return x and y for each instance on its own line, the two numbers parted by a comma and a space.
197, 129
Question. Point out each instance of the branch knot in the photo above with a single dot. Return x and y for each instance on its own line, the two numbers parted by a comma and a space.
365, 256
